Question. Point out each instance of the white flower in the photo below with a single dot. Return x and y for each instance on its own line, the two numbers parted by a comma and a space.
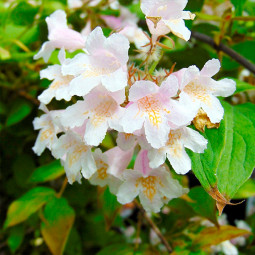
59, 88
60, 36
126, 23
164, 16
104, 64
201, 90
102, 110
75, 155
151, 107
110, 166
153, 186
50, 127
174, 149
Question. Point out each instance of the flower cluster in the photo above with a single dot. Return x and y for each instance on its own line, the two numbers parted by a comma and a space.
150, 112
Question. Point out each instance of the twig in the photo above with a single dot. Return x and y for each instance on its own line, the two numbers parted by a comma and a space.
63, 187
222, 47
155, 228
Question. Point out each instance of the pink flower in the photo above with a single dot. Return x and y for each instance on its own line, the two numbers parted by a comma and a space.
104, 64
201, 90
102, 110
151, 107
110, 166
59, 88
153, 186
174, 149
60, 36
49, 126
164, 16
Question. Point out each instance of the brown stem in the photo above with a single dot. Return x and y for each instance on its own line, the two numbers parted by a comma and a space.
155, 228
62, 189
222, 47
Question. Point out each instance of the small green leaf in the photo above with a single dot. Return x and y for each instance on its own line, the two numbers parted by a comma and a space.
57, 221
18, 112
48, 172
28, 204
15, 237
203, 204
242, 86
246, 190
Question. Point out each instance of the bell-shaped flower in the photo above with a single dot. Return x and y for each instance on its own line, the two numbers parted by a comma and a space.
59, 88
49, 128
110, 166
174, 149
164, 16
102, 110
201, 90
75, 155
105, 63
153, 186
151, 107
126, 24
60, 36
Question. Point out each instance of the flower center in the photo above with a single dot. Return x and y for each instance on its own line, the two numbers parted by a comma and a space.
149, 186
101, 172
152, 106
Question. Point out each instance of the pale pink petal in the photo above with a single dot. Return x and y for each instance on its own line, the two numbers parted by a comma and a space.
118, 160
142, 89
95, 40
189, 75
156, 135
115, 81
88, 165
127, 192
51, 72
156, 157
95, 134
75, 115
178, 28
169, 87
113, 43
225, 87
56, 20
142, 163
45, 51
126, 141
81, 86
213, 109
194, 141
153, 205
210, 68
77, 65
132, 120
179, 160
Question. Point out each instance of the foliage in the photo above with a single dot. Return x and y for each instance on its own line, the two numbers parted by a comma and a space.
41, 213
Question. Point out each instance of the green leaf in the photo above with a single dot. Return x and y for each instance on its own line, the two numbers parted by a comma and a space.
57, 221
242, 86
214, 235
195, 5
15, 237
28, 204
18, 112
117, 249
23, 13
246, 190
239, 5
48, 172
203, 204
229, 159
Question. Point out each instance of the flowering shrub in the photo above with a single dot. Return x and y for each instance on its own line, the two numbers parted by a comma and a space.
112, 85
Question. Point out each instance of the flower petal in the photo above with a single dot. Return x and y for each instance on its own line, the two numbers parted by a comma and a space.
210, 68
